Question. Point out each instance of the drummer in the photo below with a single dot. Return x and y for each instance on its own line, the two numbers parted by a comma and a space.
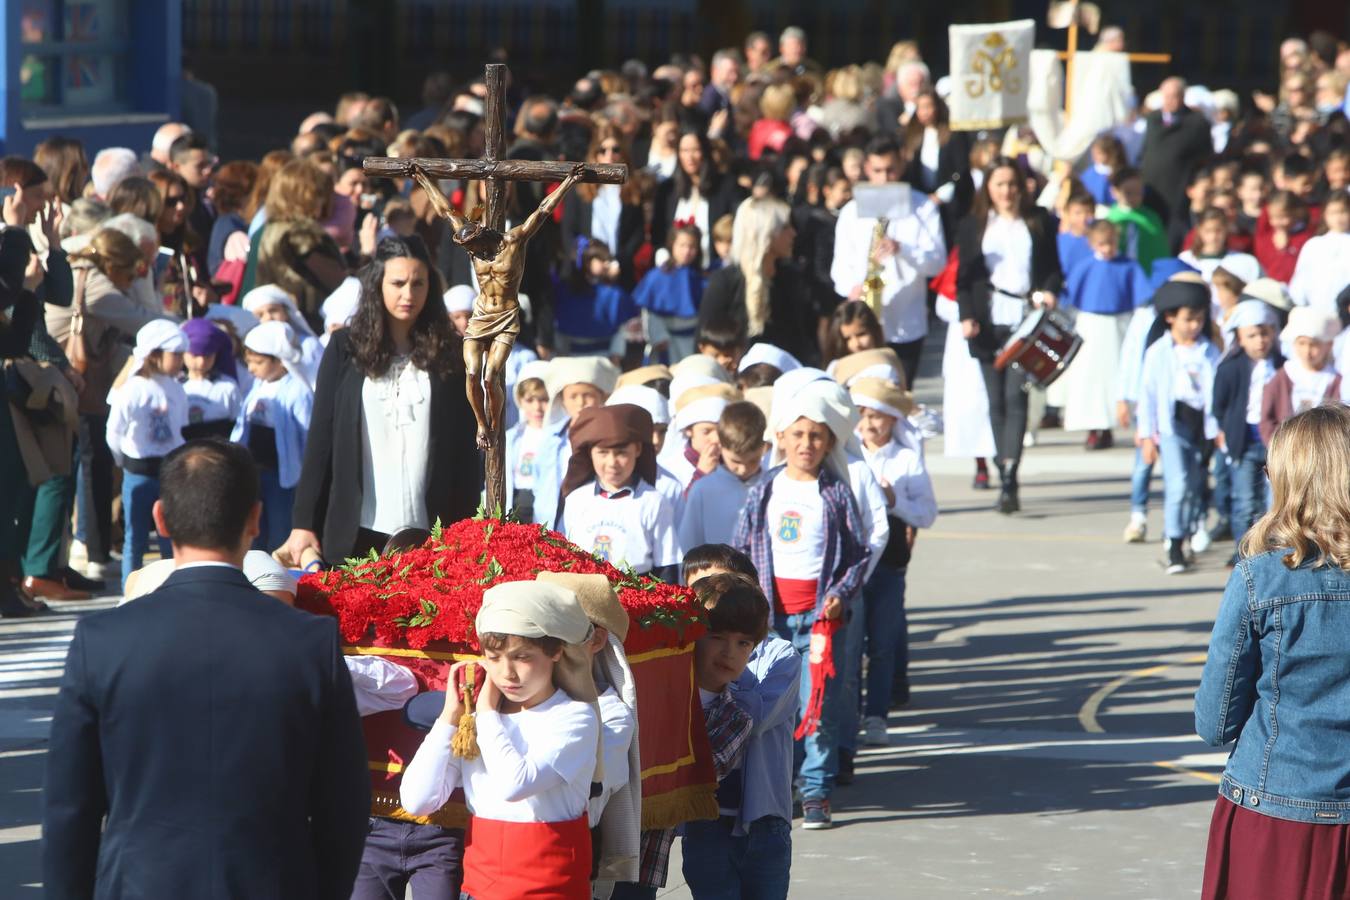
1009, 260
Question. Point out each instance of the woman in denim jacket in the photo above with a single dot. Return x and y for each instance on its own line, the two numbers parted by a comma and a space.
1276, 680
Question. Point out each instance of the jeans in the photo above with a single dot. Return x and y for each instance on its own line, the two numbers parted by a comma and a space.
817, 755
1184, 473
139, 493
1139, 483
1249, 488
1221, 498
428, 857
1008, 402
879, 628
754, 866
275, 525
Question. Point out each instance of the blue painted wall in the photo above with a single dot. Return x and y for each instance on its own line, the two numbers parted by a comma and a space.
153, 71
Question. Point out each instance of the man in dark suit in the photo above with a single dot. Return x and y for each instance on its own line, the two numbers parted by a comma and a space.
205, 741
1176, 143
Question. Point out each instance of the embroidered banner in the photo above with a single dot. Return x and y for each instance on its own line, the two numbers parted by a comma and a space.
990, 77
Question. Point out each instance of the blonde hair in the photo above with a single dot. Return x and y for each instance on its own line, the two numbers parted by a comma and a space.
110, 251
1309, 469
847, 84
757, 221
777, 102
299, 191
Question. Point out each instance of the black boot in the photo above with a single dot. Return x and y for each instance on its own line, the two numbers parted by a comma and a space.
1008, 502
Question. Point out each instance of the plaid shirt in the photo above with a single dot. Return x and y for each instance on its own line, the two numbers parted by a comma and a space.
844, 565
729, 729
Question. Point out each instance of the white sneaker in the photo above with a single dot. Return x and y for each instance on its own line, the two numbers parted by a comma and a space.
874, 732
1200, 541
79, 554
96, 570
1029, 439
1137, 531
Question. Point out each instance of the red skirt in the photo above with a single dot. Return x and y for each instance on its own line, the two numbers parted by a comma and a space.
538, 860
1258, 857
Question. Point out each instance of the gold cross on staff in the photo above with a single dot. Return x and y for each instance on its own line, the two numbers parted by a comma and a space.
498, 257
1088, 14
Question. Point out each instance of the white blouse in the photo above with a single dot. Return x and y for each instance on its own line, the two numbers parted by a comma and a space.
605, 211
695, 206
1007, 253
395, 438
535, 765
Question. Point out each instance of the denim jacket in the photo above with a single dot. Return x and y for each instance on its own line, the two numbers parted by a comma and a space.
1275, 682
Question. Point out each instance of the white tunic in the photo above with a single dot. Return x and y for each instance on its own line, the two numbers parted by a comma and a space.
1322, 272
146, 417
212, 399
636, 530
541, 759
395, 436
965, 400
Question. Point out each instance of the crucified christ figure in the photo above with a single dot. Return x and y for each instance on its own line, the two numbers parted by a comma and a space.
499, 262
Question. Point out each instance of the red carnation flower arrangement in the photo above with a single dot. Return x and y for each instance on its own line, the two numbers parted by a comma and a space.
430, 595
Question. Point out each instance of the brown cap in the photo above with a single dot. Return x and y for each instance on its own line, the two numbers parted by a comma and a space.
645, 375
849, 367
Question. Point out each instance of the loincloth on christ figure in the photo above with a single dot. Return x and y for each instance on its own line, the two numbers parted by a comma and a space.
502, 326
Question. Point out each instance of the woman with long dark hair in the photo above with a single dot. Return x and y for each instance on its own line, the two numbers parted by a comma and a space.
609, 213
939, 163
391, 442
1009, 261
696, 194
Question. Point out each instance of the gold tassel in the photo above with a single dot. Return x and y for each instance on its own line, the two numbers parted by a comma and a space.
464, 743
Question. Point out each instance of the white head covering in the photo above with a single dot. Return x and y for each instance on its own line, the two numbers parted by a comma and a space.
649, 399
704, 409
768, 353
815, 406
273, 295
698, 364
1311, 322
266, 574
278, 339
240, 319
535, 368
160, 334
1241, 265
1249, 313
460, 298
1270, 291
341, 305
881, 395
794, 381
565, 370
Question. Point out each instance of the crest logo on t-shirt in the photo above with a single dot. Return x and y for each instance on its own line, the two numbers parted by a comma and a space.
604, 546
526, 465
790, 527
161, 432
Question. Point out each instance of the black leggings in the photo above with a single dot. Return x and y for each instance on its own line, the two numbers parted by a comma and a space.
1007, 403
909, 353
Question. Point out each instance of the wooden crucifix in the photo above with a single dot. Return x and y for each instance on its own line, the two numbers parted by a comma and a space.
498, 260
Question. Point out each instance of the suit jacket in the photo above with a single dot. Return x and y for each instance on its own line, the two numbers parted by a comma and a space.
1171, 153
576, 222
973, 289
328, 496
216, 729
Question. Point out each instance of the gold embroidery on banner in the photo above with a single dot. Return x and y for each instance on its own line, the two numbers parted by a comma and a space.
993, 68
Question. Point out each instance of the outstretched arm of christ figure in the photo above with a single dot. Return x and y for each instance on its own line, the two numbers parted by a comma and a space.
525, 230
438, 201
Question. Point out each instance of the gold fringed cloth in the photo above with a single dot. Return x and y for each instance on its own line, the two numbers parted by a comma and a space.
678, 781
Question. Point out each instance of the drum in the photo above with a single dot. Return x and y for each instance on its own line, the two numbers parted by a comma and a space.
1042, 347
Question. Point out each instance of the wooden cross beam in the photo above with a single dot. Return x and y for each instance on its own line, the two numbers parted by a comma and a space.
495, 172
1068, 55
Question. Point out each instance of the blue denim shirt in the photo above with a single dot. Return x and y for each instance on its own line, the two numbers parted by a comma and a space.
768, 690
1276, 683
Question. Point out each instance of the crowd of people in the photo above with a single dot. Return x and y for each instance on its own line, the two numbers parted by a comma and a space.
713, 374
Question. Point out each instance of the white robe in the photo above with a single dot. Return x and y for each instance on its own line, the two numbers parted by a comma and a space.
965, 402
1091, 383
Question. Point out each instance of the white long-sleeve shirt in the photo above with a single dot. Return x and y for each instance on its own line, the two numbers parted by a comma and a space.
146, 417
923, 253
1158, 387
1322, 272
902, 468
871, 500
618, 725
378, 684
535, 765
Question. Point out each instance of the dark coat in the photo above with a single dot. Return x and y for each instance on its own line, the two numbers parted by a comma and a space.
1171, 153
973, 288
576, 222
792, 316
1232, 390
723, 198
216, 729
328, 496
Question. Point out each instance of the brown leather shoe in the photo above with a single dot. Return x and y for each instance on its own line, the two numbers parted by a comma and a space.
51, 589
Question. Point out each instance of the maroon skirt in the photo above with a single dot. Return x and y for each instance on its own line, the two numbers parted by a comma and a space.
1258, 857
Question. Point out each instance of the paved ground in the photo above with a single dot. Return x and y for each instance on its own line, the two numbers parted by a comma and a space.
1048, 751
